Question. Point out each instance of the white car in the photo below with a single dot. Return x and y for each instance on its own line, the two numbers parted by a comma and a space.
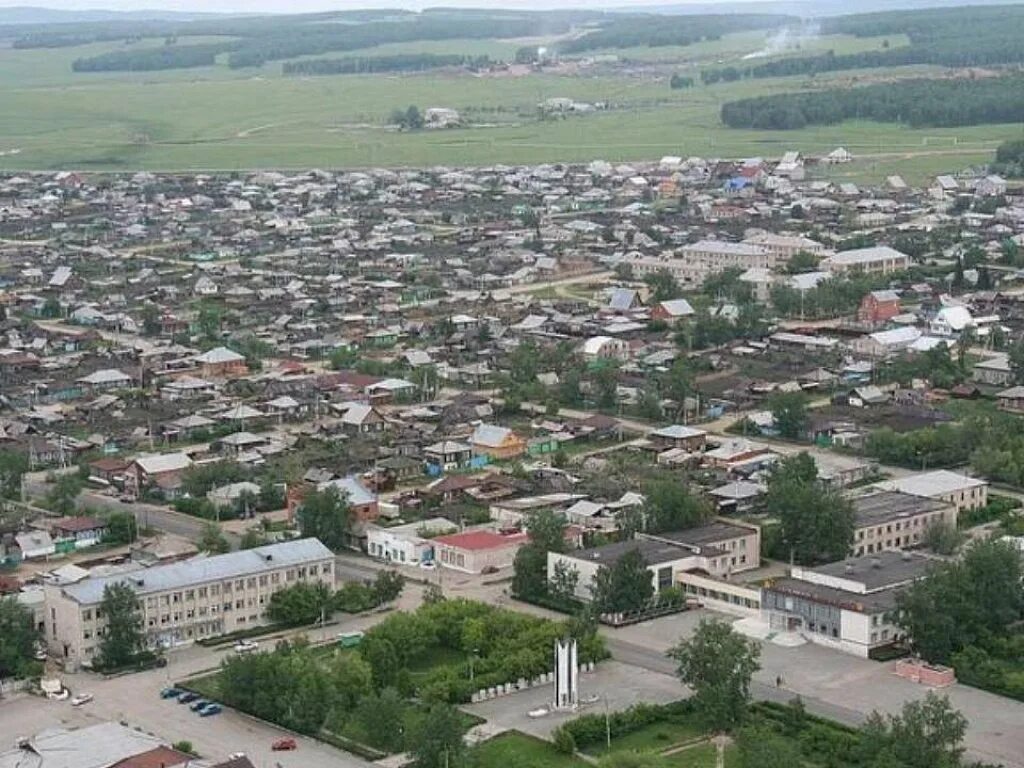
246, 646
80, 699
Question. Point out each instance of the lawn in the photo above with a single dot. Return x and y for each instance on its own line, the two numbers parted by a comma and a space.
702, 756
517, 750
654, 738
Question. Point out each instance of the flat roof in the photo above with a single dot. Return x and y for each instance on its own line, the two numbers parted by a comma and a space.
879, 571
937, 483
883, 506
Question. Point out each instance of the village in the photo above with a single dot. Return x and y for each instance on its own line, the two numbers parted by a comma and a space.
777, 398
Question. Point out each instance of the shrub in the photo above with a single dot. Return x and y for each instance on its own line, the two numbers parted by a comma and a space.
564, 741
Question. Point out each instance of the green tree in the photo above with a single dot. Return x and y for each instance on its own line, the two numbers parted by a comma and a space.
61, 498
529, 569
302, 603
13, 465
717, 664
928, 733
663, 285
209, 321
817, 521
381, 717
626, 585
605, 380
941, 538
679, 384
387, 586
802, 261
563, 581
789, 409
326, 515
122, 641
252, 538
121, 528
51, 308
670, 506
18, 638
212, 539
762, 747
437, 741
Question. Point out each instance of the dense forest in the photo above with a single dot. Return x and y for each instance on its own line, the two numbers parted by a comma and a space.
148, 59
406, 62
951, 37
1010, 159
917, 103
632, 31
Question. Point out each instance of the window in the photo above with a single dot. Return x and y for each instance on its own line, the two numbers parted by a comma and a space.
190, 594
86, 615
176, 597
202, 592
263, 581
275, 578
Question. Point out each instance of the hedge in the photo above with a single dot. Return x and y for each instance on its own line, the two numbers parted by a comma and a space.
588, 730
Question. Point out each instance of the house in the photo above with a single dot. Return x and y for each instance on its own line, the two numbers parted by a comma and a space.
409, 544
679, 436
101, 745
360, 419
221, 363
34, 545
887, 520
1011, 399
479, 551
672, 311
838, 156
736, 451
944, 187
108, 378
71, 533
362, 503
991, 186
885, 344
877, 260
496, 442
624, 300
961, 491
161, 470
878, 307
994, 371
605, 348
737, 497
850, 605
187, 388
951, 321
448, 455
108, 469
865, 396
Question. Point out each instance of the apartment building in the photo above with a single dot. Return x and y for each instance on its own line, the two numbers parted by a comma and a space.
182, 602
890, 520
692, 264
716, 550
878, 260
953, 488
781, 248
848, 605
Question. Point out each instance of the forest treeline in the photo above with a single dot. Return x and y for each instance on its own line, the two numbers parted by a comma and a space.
917, 103
654, 31
957, 37
404, 62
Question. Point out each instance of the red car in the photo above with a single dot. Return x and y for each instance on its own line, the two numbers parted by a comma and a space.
283, 745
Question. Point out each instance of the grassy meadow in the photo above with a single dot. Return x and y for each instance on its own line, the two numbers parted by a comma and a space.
216, 118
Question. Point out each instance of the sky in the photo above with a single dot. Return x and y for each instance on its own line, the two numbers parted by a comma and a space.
300, 6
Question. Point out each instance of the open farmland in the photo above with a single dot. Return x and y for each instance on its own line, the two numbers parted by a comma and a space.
223, 118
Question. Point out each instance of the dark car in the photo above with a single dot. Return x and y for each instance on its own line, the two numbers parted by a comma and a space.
198, 704
170, 693
188, 697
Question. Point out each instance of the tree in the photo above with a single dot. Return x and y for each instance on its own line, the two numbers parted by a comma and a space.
121, 528
381, 717
212, 539
717, 664
962, 603
61, 498
302, 603
817, 521
680, 384
387, 586
1016, 359
209, 321
13, 465
927, 733
802, 261
670, 506
18, 639
789, 409
941, 538
51, 308
529, 570
122, 641
663, 285
605, 379
437, 742
626, 585
151, 319
563, 581
326, 515
252, 538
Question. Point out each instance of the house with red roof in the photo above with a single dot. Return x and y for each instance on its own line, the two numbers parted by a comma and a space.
478, 551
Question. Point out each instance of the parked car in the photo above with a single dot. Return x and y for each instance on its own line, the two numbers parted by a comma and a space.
246, 646
209, 709
198, 704
284, 745
170, 693
80, 699
187, 697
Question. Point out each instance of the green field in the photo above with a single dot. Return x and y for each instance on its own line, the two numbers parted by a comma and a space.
517, 750
215, 118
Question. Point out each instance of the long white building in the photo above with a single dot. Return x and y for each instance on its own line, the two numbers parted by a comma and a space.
182, 602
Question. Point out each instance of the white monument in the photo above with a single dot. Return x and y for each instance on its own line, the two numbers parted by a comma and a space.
567, 672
